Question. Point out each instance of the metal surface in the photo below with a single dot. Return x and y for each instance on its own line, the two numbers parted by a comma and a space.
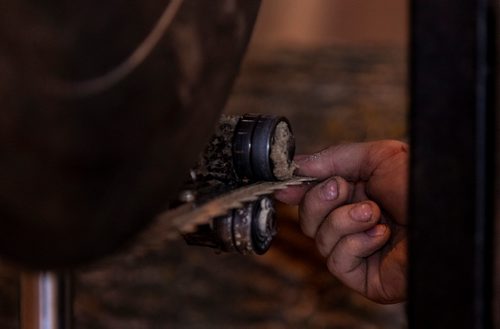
242, 145
252, 143
452, 164
239, 153
246, 230
263, 227
83, 172
188, 217
46, 301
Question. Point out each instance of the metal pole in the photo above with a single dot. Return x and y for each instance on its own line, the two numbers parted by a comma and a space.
46, 300
453, 149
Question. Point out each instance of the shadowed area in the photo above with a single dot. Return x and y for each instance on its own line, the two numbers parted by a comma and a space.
330, 95
82, 172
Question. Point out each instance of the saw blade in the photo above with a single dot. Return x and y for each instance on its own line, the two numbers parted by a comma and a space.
185, 218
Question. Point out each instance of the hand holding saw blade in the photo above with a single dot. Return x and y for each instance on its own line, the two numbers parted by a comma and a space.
226, 205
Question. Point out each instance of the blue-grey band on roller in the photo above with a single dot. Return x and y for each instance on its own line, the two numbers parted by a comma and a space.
252, 142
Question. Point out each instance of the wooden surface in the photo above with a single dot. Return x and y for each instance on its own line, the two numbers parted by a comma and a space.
330, 95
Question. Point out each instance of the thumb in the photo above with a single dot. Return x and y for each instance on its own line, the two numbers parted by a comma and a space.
351, 161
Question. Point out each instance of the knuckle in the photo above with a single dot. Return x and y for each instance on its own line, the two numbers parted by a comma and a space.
349, 241
322, 243
308, 206
343, 264
327, 235
344, 189
333, 265
330, 223
306, 227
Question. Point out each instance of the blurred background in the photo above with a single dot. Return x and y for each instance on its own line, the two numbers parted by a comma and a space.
337, 70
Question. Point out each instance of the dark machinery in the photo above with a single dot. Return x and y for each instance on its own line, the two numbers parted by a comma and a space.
104, 107
243, 150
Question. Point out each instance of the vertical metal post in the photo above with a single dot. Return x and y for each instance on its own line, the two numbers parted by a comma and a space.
46, 300
452, 164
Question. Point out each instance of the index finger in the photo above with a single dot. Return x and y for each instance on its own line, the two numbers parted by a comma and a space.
355, 161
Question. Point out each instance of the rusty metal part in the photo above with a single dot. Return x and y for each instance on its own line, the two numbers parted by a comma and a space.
215, 162
240, 150
263, 227
187, 217
82, 173
245, 230
252, 143
249, 229
243, 149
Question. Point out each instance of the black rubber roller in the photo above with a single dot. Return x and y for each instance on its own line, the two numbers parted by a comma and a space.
242, 146
253, 139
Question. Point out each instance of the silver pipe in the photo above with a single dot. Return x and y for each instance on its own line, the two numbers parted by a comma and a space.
46, 300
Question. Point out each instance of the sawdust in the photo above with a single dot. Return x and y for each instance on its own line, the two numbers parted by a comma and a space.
282, 152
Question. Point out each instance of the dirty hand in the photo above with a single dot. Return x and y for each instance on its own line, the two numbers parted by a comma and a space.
357, 214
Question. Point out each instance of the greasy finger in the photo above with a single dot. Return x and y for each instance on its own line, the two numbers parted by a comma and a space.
320, 200
347, 260
346, 220
353, 161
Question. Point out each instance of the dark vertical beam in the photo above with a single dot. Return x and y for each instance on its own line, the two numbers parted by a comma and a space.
452, 171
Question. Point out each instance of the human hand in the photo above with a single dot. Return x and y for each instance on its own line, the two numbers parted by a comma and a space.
357, 214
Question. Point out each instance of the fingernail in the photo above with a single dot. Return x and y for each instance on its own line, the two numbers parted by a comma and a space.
377, 230
329, 191
362, 212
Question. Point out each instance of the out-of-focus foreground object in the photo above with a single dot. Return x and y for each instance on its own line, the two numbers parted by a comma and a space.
454, 101
46, 301
90, 152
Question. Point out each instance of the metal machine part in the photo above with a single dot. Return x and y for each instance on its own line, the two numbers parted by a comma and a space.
248, 148
46, 300
254, 138
192, 217
242, 151
245, 230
